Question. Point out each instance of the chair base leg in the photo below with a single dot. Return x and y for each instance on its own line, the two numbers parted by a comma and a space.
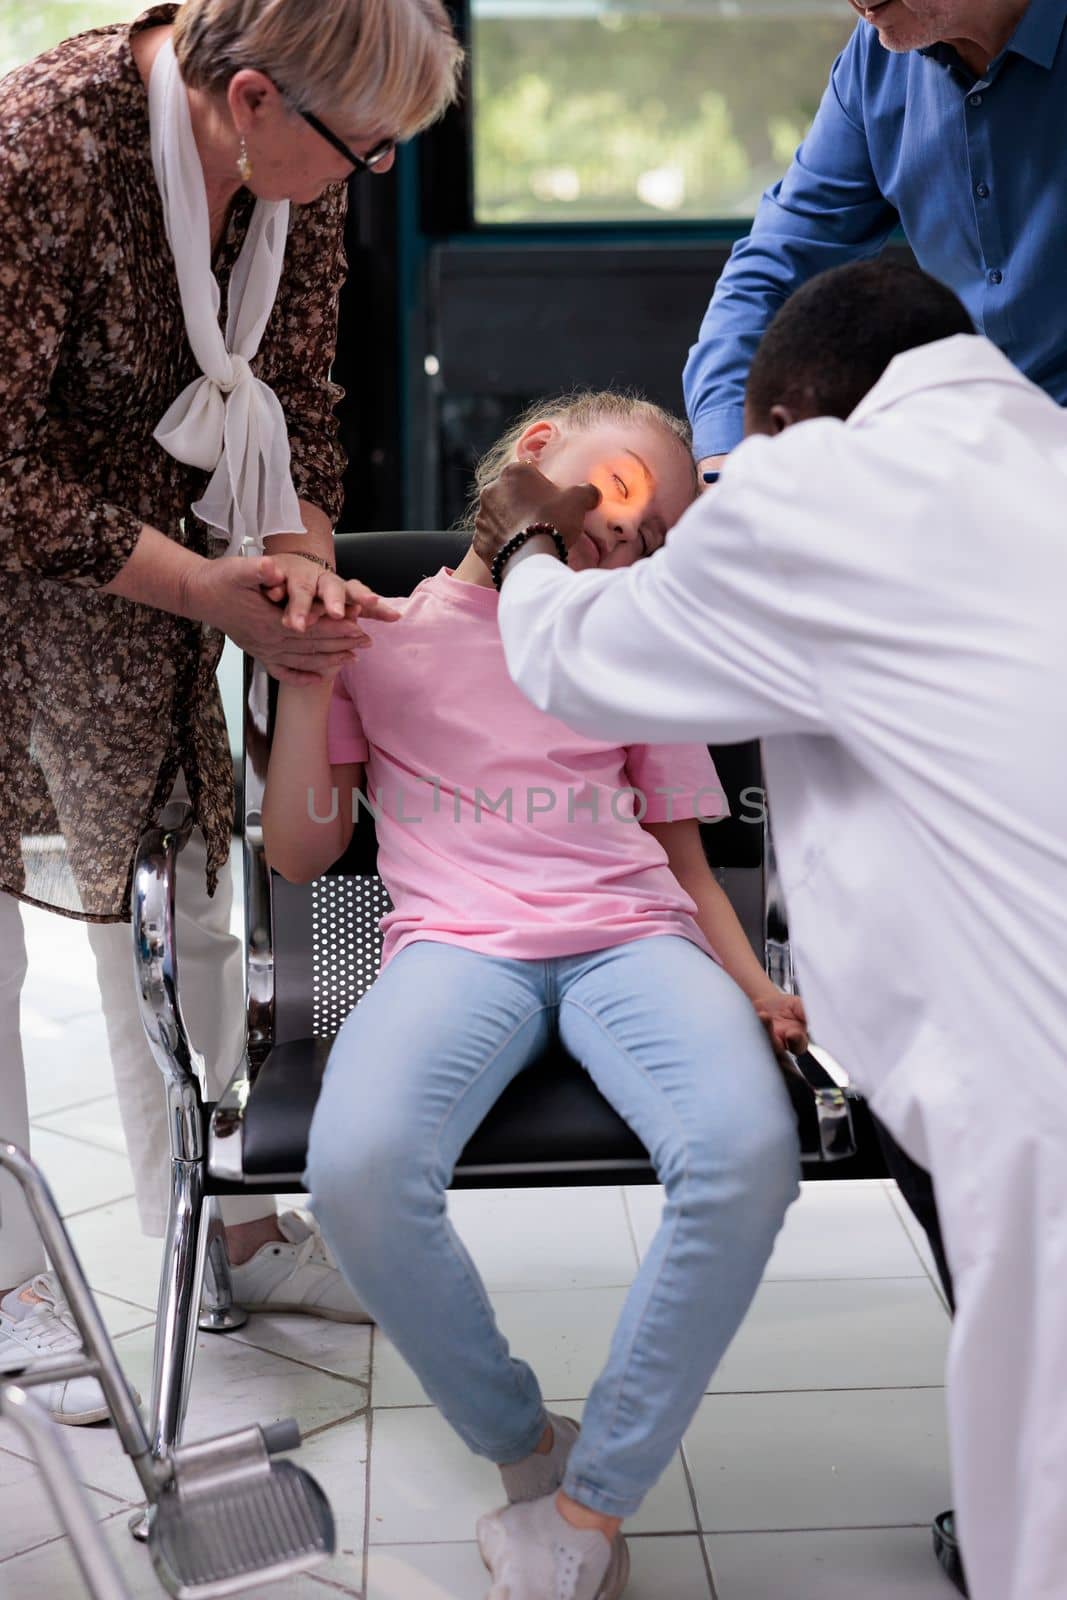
139, 1524
218, 1314
222, 1321
179, 1301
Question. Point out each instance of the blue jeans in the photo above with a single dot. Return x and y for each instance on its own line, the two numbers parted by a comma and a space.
677, 1049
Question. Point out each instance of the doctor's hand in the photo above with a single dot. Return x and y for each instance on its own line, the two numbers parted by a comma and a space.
784, 1018
522, 495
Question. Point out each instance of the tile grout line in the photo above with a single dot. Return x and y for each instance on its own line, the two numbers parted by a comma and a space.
75, 1105
332, 1587
78, 1138
337, 1422
651, 1537
836, 1388
705, 1554
839, 1527
98, 1205
541, 1290
898, 1204
630, 1224
150, 1313
370, 1450
728, 1394
301, 1361
62, 1538
929, 1272
122, 1501
850, 1277
135, 1305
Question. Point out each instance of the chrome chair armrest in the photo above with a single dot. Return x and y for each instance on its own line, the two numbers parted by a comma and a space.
835, 1129
259, 943
259, 940
778, 961
155, 961
226, 1135
833, 1111
777, 955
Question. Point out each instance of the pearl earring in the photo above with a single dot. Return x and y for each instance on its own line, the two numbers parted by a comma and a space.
244, 165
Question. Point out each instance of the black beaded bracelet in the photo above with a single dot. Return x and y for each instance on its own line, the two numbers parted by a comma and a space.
505, 553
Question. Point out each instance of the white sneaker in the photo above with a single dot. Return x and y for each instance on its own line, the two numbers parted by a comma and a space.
535, 1476
533, 1553
32, 1329
299, 1275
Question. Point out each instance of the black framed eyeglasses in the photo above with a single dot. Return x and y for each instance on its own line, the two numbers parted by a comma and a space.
367, 163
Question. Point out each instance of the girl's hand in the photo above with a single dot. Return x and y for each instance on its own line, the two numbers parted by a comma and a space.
785, 1020
311, 592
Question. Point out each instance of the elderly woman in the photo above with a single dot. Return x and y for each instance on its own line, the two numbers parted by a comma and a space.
168, 320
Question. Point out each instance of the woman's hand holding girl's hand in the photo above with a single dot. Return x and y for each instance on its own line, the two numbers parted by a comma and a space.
312, 592
784, 1018
228, 594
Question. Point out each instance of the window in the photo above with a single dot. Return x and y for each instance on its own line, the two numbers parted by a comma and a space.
27, 28
642, 110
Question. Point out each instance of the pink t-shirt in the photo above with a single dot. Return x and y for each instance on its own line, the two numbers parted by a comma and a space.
499, 828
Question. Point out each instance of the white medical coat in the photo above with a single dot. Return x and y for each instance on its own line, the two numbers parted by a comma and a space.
883, 602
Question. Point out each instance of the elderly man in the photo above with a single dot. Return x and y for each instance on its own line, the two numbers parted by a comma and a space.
876, 591
947, 118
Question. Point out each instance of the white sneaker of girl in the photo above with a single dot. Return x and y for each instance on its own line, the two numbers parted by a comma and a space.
533, 1553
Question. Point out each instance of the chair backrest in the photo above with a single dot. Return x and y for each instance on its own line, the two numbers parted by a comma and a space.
324, 945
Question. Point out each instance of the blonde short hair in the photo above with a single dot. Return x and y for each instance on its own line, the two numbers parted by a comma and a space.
389, 65
584, 408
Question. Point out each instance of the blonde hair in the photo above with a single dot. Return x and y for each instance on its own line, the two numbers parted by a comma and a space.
583, 408
384, 64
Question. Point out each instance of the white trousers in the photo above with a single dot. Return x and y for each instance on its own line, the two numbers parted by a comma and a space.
996, 1145
212, 989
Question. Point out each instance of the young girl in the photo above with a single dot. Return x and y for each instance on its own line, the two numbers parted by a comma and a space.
541, 881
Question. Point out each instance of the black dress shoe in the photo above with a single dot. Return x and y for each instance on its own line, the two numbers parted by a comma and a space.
947, 1550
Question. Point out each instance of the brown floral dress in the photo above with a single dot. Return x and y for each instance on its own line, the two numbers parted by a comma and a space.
102, 700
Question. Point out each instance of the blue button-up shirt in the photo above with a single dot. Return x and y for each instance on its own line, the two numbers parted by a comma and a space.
974, 170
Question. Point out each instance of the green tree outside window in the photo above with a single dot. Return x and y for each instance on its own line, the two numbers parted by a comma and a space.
27, 27
638, 110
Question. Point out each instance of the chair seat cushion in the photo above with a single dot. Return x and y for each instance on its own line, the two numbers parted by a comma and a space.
551, 1116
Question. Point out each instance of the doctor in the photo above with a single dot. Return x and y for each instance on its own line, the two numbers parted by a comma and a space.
876, 591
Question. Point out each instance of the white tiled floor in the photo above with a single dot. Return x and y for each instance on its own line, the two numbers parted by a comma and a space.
811, 1469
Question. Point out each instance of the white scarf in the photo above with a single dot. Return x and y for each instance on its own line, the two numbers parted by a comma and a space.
227, 422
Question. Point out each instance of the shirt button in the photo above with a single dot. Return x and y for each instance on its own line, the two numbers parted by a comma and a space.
982, 190
976, 99
996, 276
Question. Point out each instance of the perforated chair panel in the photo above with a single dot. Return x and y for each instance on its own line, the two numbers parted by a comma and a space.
346, 946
